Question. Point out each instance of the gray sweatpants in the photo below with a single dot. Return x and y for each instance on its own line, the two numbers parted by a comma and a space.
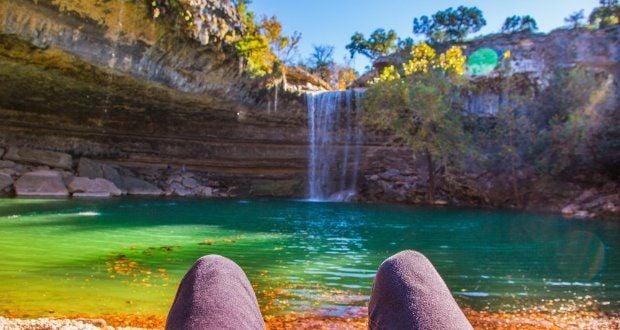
408, 293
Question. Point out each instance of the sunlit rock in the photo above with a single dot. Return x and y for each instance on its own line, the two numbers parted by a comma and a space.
5, 181
44, 157
97, 187
137, 186
41, 184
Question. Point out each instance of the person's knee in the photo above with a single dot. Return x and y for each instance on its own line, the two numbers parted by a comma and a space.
408, 259
409, 293
215, 294
215, 263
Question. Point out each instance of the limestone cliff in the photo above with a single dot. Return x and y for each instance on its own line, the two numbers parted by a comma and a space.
108, 82
103, 80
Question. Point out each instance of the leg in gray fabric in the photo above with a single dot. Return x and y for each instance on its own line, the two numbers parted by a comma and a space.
408, 293
215, 294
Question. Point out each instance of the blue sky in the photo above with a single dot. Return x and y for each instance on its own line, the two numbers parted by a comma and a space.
332, 22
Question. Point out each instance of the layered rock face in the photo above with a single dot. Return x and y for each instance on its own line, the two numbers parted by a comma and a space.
399, 175
161, 112
143, 100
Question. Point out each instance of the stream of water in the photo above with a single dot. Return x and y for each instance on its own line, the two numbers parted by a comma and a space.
335, 144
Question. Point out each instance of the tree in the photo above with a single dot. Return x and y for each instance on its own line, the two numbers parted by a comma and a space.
344, 75
513, 130
419, 107
515, 24
406, 44
575, 20
254, 46
450, 25
283, 46
321, 61
380, 43
573, 123
263, 46
607, 14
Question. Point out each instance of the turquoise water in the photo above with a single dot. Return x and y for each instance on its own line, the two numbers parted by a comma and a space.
118, 256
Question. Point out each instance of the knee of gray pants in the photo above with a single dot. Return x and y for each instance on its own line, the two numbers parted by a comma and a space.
215, 294
409, 293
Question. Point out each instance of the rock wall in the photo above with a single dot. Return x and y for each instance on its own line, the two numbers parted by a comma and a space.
121, 35
396, 175
173, 110
533, 55
147, 100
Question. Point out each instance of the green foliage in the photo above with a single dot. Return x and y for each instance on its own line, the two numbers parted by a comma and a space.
380, 43
263, 46
345, 76
515, 24
255, 49
575, 20
608, 13
254, 46
450, 25
573, 123
419, 107
282, 46
170, 7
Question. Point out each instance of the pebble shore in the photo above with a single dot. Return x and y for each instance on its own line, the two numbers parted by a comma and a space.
480, 320
57, 324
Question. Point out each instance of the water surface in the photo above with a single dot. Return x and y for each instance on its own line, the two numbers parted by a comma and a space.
120, 256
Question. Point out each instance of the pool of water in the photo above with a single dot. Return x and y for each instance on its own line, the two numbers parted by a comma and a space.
127, 256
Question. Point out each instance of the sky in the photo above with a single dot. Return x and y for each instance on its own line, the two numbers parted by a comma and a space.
333, 22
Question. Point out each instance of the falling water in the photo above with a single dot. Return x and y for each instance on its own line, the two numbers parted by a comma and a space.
335, 142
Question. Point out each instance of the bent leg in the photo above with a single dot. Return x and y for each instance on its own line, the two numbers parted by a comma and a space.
408, 293
215, 294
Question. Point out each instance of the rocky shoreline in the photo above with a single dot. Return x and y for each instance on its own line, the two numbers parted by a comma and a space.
480, 320
26, 172
483, 189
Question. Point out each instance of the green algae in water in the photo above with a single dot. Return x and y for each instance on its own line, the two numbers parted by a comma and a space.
127, 256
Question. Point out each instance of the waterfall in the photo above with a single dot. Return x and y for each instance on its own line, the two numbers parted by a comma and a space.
335, 144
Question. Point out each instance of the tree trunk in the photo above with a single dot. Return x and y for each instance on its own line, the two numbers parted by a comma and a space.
431, 176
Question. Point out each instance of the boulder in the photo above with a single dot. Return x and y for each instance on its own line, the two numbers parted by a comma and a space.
611, 207
136, 186
97, 187
43, 157
180, 190
93, 169
205, 191
91, 195
110, 173
570, 209
6, 164
586, 196
89, 168
191, 183
1, 152
41, 184
5, 181
584, 215
8, 171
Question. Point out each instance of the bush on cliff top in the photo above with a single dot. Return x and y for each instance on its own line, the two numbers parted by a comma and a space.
417, 105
